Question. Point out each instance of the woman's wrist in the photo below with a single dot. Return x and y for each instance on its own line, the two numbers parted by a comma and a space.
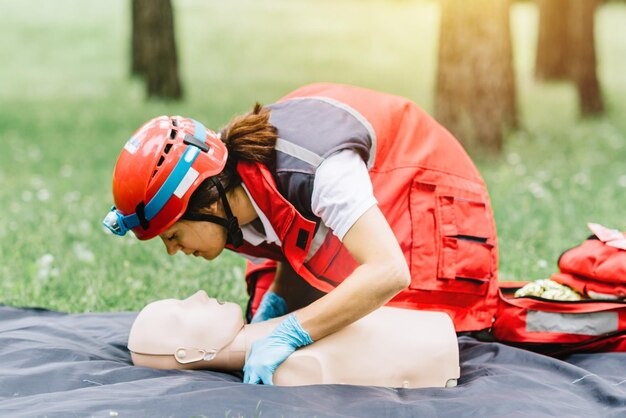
272, 306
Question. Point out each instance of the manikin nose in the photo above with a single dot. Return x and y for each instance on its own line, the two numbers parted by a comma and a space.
200, 295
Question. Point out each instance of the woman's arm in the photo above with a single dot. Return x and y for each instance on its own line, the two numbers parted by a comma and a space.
382, 273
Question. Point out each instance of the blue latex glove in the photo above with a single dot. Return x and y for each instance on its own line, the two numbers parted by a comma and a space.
268, 353
271, 306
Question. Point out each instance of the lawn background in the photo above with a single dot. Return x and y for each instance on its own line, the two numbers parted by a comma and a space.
67, 106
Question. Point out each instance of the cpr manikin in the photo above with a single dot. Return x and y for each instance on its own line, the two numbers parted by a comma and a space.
390, 347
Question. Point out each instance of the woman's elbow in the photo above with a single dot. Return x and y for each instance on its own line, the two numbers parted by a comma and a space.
400, 275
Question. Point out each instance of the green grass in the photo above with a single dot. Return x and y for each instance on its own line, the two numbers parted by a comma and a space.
67, 106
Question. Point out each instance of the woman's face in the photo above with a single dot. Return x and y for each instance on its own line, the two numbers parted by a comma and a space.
202, 239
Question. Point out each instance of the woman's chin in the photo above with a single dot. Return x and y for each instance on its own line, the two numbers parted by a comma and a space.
208, 256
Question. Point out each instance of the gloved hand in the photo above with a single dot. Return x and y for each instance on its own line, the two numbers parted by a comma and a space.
271, 306
268, 353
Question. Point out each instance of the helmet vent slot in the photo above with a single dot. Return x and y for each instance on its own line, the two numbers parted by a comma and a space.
167, 148
154, 173
174, 122
173, 134
161, 160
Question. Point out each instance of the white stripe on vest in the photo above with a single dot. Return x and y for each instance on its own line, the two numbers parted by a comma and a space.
298, 152
355, 113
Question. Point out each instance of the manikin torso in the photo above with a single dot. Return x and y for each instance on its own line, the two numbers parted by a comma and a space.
389, 347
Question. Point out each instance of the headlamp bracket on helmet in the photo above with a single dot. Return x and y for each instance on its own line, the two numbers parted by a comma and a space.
192, 140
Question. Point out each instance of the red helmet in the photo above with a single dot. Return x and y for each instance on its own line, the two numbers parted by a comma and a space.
159, 168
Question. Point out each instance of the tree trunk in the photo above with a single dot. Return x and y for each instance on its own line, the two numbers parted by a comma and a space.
154, 47
138, 58
566, 49
583, 62
551, 61
475, 79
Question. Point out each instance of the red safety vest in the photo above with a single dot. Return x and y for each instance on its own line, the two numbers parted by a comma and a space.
428, 190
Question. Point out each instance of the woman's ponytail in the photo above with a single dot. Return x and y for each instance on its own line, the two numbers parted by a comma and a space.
251, 137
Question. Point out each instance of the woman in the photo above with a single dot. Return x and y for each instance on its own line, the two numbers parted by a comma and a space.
360, 197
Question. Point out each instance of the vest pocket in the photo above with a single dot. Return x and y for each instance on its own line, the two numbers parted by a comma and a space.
452, 234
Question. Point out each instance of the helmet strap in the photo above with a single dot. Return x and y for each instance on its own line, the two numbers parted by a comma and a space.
140, 210
234, 236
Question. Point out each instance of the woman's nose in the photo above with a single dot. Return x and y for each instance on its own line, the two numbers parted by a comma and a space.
171, 248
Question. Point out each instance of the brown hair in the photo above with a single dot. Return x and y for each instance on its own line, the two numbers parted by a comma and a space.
249, 137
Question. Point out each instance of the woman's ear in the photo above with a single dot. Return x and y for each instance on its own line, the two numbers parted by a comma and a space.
213, 208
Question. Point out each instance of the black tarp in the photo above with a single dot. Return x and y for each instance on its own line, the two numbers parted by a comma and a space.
64, 365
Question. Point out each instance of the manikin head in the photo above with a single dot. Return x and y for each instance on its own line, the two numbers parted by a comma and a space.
183, 334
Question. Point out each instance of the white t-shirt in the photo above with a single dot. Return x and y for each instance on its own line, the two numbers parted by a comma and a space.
342, 192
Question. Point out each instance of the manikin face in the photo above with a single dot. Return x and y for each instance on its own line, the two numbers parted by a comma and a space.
196, 323
202, 239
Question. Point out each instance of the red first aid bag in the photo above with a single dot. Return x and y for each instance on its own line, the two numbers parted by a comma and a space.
559, 327
597, 270
597, 267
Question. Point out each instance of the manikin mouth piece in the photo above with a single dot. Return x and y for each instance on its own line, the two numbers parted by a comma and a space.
191, 355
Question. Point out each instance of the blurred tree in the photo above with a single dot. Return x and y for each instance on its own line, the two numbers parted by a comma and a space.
566, 48
583, 55
551, 59
475, 80
138, 60
154, 54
